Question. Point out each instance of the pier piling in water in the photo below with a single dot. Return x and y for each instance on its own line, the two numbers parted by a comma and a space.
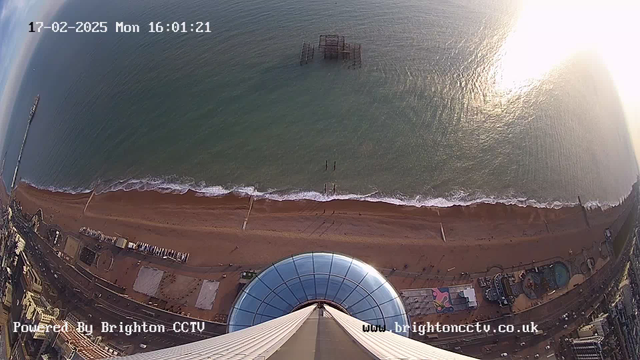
307, 53
333, 47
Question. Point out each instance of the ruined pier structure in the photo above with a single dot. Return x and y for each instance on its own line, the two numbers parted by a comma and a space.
333, 47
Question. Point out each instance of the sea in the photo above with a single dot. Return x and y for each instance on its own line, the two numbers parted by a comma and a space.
427, 120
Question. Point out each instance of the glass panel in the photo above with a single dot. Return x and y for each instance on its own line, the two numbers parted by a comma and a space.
277, 302
241, 317
321, 286
372, 281
357, 272
261, 309
286, 269
247, 302
269, 299
366, 315
304, 264
378, 312
309, 285
270, 278
392, 308
262, 318
272, 311
355, 297
334, 285
364, 304
340, 265
233, 328
286, 294
384, 293
322, 263
345, 290
298, 291
258, 289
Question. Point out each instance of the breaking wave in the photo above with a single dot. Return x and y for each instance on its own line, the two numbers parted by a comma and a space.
457, 198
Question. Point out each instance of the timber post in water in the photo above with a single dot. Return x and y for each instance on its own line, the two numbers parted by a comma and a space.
32, 113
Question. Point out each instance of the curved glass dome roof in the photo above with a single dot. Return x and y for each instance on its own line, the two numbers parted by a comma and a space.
347, 283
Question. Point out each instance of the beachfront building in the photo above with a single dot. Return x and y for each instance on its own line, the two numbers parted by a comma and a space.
447, 299
36, 311
599, 326
73, 345
589, 348
498, 289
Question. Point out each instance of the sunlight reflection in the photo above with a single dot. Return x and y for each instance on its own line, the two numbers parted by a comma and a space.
549, 32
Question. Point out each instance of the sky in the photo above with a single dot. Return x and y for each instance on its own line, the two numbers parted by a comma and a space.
17, 46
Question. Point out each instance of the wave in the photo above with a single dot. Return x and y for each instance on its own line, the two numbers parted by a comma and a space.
66, 190
457, 198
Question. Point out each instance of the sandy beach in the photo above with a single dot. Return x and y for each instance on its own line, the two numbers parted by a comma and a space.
384, 235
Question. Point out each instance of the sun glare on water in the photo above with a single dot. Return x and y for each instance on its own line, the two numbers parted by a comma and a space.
549, 32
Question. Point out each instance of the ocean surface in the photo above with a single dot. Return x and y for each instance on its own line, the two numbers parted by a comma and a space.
427, 120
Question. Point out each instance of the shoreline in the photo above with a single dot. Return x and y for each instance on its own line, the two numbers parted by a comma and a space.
464, 199
154, 217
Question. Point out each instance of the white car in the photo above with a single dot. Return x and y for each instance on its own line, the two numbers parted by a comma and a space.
547, 347
504, 355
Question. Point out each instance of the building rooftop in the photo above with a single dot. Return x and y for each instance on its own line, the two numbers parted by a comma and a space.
82, 344
587, 340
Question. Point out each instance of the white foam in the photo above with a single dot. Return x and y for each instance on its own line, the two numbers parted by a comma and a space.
457, 198
68, 190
